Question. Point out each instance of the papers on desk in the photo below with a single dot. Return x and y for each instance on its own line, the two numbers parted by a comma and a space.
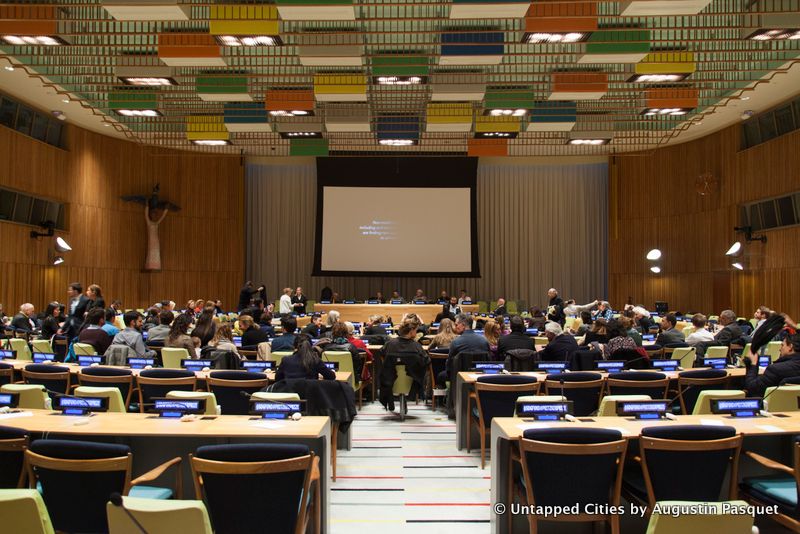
769, 428
15, 415
531, 426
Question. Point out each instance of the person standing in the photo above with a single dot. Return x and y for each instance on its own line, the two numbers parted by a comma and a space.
555, 307
285, 302
298, 301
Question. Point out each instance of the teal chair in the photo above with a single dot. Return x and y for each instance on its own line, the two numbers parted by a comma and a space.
778, 489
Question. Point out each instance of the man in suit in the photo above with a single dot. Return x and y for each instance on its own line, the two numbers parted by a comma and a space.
312, 328
467, 340
299, 301
669, 334
560, 345
501, 307
285, 342
787, 366
731, 331
517, 339
246, 294
78, 302
25, 320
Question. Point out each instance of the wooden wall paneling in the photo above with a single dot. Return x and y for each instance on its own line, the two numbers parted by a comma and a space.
659, 207
202, 245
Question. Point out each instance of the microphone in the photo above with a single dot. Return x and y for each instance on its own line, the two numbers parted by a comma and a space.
116, 500
245, 394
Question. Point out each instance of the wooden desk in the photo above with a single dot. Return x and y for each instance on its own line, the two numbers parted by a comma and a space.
360, 312
464, 386
156, 440
505, 429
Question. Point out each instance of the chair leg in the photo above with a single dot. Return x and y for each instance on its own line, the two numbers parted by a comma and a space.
482, 432
402, 407
334, 447
360, 396
469, 425
510, 492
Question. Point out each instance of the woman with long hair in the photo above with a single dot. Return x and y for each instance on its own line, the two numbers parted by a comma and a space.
205, 328
445, 335
178, 336
52, 321
492, 331
223, 339
95, 296
303, 363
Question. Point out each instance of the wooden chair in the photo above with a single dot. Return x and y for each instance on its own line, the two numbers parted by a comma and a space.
122, 379
582, 388
705, 454
228, 386
53, 377
691, 383
84, 349
154, 383
98, 469
23, 510
245, 483
171, 357
13, 443
780, 490
42, 346
782, 398
714, 518
159, 517
654, 385
6, 374
569, 466
495, 396
31, 396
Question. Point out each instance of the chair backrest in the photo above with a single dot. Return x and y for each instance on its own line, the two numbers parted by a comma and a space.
497, 395
704, 398
345, 360
42, 345
6, 373
83, 349
569, 466
268, 395
277, 357
521, 360
31, 396
122, 379
23, 510
13, 442
210, 398
583, 389
171, 357
714, 518
115, 402
685, 356
691, 383
717, 352
773, 350
62, 466
52, 377
704, 454
608, 405
244, 484
654, 385
21, 346
159, 516
782, 398
229, 385
159, 382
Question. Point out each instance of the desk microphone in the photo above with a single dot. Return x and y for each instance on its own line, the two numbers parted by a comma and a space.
116, 500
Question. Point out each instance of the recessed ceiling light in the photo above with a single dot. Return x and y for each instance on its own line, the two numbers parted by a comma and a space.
594, 142
35, 40
658, 78
672, 112
147, 80
211, 142
249, 40
291, 113
554, 37
397, 142
138, 112
744, 98
399, 80
505, 112
301, 135
775, 34
66, 100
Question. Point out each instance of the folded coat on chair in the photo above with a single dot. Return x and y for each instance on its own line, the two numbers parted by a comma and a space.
331, 398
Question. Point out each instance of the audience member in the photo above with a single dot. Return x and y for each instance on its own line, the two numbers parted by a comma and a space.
700, 334
51, 323
603, 311
555, 307
627, 324
467, 340
536, 319
303, 363
761, 314
25, 320
109, 326
223, 339
161, 331
396, 297
312, 329
585, 326
338, 342
501, 307
251, 334
560, 345
178, 337
444, 336
786, 366
265, 324
643, 319
116, 305
205, 328
95, 296
618, 339
375, 326
492, 332
356, 342
731, 331
331, 319
246, 294
516, 339
597, 333
669, 334
570, 308
132, 336
77, 301
285, 303
285, 341
92, 331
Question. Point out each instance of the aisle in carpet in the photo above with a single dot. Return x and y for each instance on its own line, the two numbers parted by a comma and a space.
404, 475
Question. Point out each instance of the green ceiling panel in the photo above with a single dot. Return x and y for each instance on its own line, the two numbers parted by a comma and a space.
308, 147
132, 100
400, 66
221, 84
618, 42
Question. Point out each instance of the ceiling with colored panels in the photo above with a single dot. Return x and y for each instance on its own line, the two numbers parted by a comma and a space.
483, 77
